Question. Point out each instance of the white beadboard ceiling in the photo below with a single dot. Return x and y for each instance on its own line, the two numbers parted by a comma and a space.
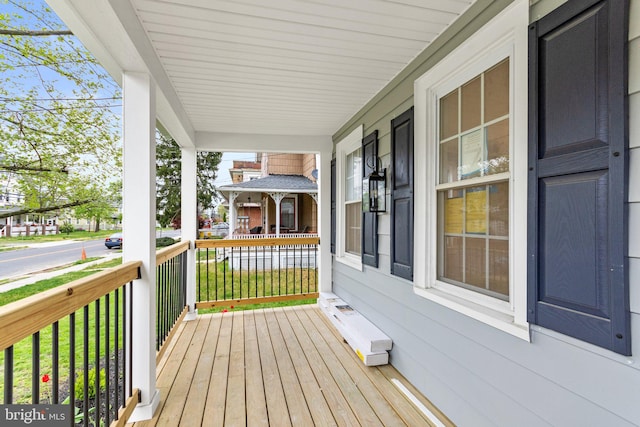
286, 66
270, 67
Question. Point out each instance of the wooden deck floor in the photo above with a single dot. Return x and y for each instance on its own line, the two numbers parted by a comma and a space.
277, 367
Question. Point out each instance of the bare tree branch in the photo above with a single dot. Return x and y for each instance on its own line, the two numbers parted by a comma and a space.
43, 210
36, 33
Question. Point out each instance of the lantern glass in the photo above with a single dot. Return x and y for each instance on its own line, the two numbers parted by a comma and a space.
375, 187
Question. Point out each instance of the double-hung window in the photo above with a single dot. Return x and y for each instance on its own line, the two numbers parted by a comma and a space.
349, 198
470, 198
473, 184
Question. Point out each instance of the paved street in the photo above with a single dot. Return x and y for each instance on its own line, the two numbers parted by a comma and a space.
42, 256
48, 255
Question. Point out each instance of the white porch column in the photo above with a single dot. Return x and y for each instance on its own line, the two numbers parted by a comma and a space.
232, 212
189, 220
277, 197
139, 229
324, 220
265, 207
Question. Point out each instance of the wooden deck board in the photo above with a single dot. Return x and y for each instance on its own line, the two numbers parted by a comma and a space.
277, 367
257, 416
217, 394
274, 392
197, 397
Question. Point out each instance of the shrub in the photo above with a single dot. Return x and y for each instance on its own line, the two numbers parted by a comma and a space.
91, 392
161, 242
67, 228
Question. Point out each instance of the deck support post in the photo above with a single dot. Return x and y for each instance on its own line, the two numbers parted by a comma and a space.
189, 221
139, 230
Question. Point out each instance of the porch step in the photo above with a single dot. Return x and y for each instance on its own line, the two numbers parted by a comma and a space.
369, 342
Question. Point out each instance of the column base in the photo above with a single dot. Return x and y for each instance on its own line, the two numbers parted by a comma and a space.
145, 411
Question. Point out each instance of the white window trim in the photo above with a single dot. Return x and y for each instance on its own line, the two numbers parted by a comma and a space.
505, 35
347, 145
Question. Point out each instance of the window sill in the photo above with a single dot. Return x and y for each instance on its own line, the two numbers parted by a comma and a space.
491, 317
350, 261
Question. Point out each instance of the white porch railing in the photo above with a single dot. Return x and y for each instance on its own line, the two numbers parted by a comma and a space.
27, 230
271, 236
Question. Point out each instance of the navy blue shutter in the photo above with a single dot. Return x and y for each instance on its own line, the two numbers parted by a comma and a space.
369, 231
402, 195
333, 206
578, 173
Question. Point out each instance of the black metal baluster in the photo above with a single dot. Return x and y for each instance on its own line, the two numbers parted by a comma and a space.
130, 326
286, 271
215, 252
85, 362
125, 347
8, 375
97, 359
116, 353
55, 359
72, 367
158, 308
232, 278
107, 356
35, 368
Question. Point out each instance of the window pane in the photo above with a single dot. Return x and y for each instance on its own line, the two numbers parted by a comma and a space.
287, 213
496, 91
452, 210
476, 210
449, 115
449, 161
453, 258
498, 147
353, 176
499, 209
475, 262
353, 217
471, 107
499, 266
472, 154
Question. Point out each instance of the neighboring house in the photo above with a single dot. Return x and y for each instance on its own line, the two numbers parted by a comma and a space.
506, 267
281, 199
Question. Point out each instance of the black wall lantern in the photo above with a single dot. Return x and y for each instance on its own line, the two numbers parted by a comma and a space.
374, 192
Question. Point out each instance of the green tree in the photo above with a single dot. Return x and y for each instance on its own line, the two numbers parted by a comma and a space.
168, 178
59, 112
101, 208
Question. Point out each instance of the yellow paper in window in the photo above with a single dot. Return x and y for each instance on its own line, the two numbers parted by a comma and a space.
453, 215
476, 221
